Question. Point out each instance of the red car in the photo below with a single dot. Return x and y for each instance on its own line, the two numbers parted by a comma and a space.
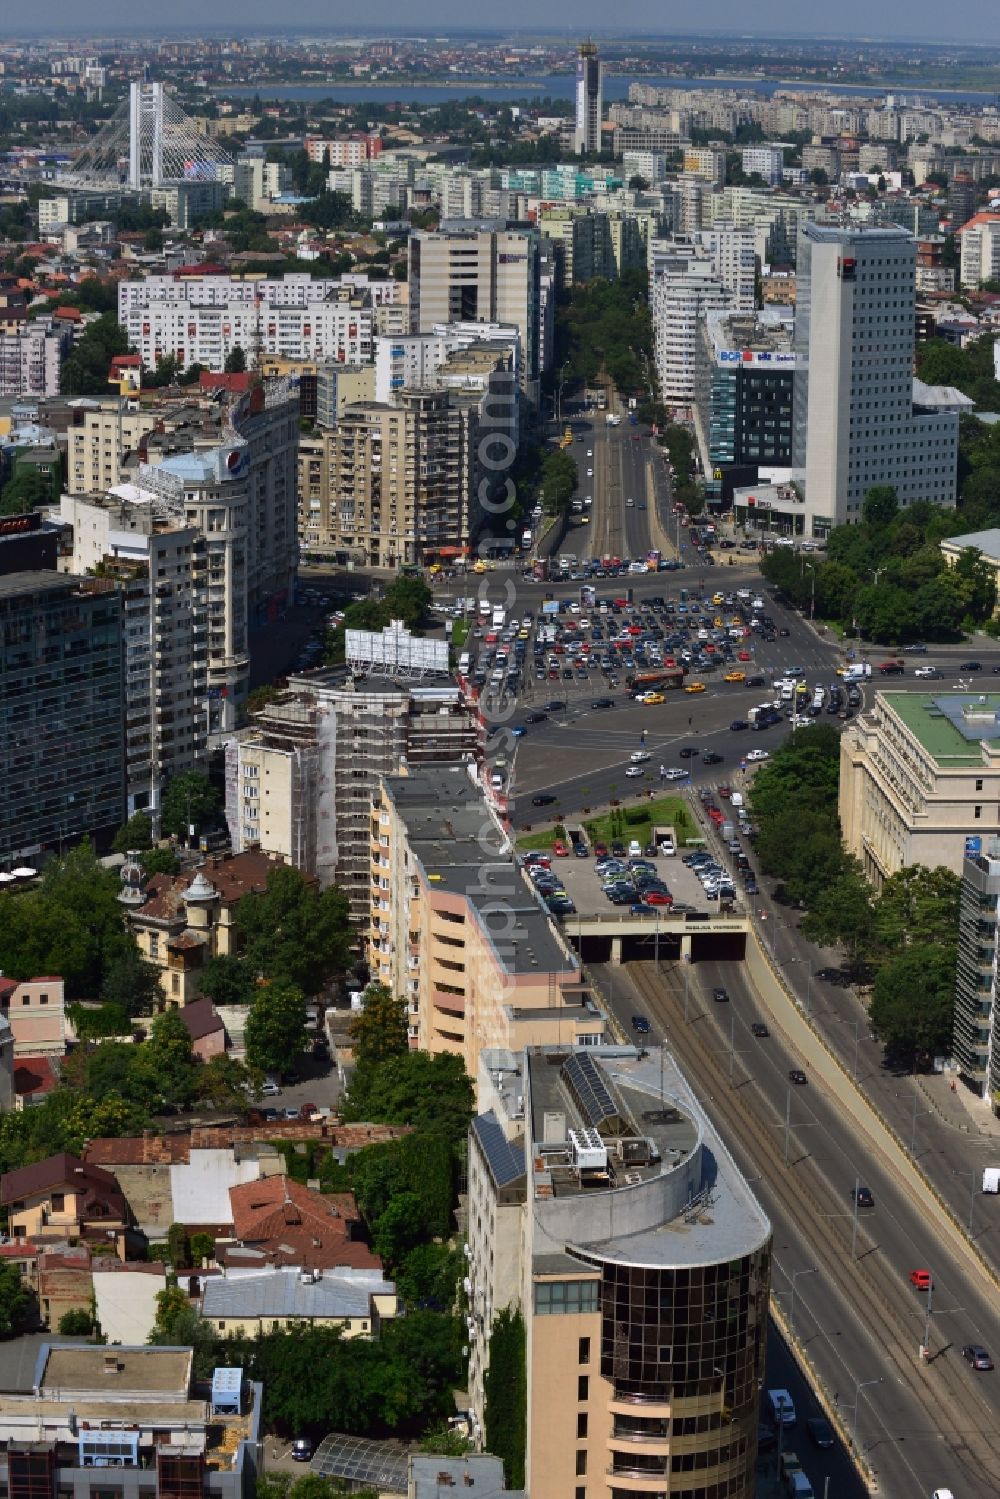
716, 816
724, 792
560, 850
922, 1279
657, 898
600, 850
743, 655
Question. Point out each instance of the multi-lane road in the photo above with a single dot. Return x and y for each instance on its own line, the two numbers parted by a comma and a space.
842, 1283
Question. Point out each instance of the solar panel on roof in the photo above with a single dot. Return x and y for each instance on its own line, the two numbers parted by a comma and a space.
590, 1092
506, 1161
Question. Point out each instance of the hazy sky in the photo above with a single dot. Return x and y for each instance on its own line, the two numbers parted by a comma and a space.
973, 20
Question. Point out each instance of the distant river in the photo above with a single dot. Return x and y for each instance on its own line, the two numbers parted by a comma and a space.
562, 85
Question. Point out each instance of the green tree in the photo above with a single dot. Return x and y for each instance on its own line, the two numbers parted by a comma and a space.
429, 1275
912, 1008
70, 925
379, 1029
228, 980
276, 1027
160, 861
430, 1092
843, 912
132, 983
881, 506
190, 800
87, 366
236, 361
168, 1061
293, 932
507, 1396
17, 1305
918, 906
179, 1247
223, 1082
26, 491
445, 1441
135, 834
76, 1323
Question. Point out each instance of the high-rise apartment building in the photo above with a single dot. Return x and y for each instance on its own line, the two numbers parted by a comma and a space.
856, 424
979, 238
31, 356
62, 729
160, 566
235, 484
301, 780
975, 1043
458, 930
683, 286
605, 1208
589, 100
395, 481
479, 272
766, 161
406, 480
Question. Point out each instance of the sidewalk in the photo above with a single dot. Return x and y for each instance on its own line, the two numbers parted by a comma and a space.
957, 1107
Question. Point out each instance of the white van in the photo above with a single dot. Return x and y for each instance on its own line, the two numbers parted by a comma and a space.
736, 799
991, 1179
782, 1407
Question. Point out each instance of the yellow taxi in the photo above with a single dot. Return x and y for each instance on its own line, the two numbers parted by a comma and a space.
718, 598
735, 676
652, 697
694, 687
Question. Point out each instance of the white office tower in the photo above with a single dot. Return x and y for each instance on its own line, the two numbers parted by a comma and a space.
860, 421
589, 99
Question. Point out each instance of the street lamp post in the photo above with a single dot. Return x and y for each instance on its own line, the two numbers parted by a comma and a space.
732, 1043
972, 1194
859, 1385
854, 1226
791, 1310
788, 1119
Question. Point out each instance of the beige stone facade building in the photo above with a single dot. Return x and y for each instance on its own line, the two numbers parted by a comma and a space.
458, 931
919, 779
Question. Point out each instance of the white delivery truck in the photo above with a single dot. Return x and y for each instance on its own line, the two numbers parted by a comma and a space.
858, 672
991, 1179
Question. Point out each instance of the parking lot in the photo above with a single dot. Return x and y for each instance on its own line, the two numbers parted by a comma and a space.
583, 886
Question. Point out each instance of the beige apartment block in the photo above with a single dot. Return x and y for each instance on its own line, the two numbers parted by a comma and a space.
458, 930
106, 430
390, 485
919, 779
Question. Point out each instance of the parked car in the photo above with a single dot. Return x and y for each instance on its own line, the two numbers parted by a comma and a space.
820, 1432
